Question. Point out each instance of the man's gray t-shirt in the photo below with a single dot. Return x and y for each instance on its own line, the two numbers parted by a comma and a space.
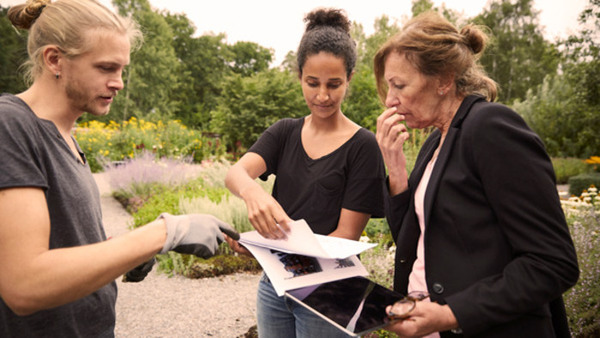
34, 154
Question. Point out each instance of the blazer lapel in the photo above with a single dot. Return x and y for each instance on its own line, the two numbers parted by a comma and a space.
445, 153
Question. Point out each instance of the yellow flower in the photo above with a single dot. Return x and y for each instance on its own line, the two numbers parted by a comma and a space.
593, 160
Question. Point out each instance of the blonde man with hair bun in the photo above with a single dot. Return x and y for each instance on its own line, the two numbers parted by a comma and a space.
57, 268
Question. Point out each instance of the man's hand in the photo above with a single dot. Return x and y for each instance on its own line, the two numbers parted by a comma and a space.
196, 234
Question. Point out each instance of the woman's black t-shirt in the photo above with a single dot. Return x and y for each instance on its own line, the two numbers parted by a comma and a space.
350, 177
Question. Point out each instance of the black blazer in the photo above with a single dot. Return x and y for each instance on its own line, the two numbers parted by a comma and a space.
497, 247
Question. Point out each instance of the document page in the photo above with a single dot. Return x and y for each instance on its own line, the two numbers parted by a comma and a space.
288, 271
305, 258
301, 240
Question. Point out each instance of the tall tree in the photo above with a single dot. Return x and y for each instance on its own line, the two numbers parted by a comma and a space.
518, 57
249, 58
248, 105
204, 62
154, 75
564, 109
582, 52
362, 104
420, 6
384, 28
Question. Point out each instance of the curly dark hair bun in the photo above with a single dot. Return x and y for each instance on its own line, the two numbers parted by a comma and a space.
327, 17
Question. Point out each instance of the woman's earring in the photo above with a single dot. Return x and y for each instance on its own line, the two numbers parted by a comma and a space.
441, 92
57, 75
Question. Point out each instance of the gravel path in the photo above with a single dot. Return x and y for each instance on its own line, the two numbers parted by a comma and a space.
161, 306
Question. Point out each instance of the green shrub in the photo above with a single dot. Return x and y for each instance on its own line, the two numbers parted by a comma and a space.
578, 184
230, 209
106, 143
147, 187
564, 168
378, 231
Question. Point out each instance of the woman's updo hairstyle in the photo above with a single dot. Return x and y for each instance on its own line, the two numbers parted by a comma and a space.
436, 48
66, 24
327, 30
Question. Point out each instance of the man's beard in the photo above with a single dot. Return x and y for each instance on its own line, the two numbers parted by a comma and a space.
82, 101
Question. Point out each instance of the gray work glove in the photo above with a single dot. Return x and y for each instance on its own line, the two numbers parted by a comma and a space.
196, 234
140, 272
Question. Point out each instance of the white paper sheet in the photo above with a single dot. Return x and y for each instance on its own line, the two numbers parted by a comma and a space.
301, 240
304, 270
305, 258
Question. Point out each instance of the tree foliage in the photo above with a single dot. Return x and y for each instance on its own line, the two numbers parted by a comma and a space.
214, 86
154, 74
204, 65
206, 62
518, 57
582, 51
250, 58
248, 105
13, 52
565, 109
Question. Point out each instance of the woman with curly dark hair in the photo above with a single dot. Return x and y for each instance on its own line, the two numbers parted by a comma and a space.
329, 171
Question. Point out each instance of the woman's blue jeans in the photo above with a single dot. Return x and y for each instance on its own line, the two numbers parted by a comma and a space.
282, 317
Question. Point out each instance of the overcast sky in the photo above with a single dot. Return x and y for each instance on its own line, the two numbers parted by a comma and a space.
278, 24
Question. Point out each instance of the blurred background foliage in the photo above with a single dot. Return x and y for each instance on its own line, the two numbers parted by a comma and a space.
233, 91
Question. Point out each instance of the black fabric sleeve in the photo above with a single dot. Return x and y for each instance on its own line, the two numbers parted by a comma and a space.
270, 143
364, 191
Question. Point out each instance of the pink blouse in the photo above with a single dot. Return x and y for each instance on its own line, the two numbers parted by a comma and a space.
416, 280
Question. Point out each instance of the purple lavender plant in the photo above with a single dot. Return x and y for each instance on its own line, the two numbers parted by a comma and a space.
134, 174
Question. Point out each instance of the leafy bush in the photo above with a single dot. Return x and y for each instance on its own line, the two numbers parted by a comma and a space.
148, 186
583, 300
222, 265
94, 138
558, 113
251, 104
378, 231
578, 184
566, 167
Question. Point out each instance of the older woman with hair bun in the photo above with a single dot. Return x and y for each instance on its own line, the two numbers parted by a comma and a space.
478, 223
